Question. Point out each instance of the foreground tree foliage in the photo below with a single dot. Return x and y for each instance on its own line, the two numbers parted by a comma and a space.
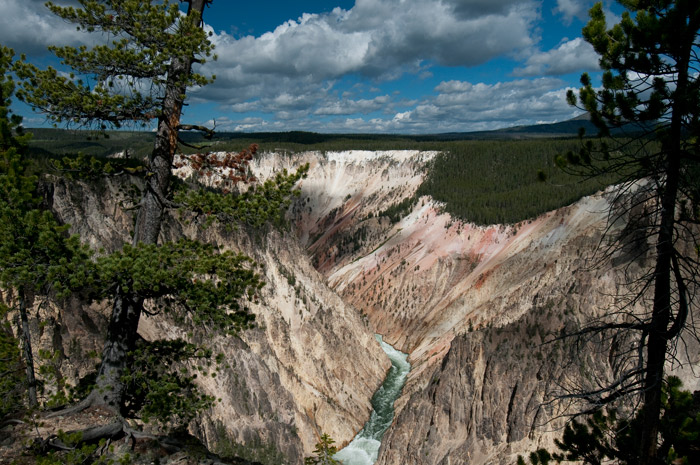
12, 386
142, 73
604, 437
650, 88
36, 254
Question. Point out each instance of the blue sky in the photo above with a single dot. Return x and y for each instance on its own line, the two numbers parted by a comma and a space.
374, 66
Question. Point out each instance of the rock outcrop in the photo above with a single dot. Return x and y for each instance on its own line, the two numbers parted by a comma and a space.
311, 365
478, 308
472, 305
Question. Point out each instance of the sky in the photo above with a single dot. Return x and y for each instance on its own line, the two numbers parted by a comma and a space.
365, 66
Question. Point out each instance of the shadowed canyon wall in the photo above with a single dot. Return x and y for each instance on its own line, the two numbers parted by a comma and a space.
311, 365
478, 309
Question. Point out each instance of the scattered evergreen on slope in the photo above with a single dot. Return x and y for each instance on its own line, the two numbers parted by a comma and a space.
399, 210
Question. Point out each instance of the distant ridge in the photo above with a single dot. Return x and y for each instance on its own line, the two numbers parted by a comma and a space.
57, 142
568, 128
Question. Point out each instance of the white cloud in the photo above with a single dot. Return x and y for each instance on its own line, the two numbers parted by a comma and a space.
295, 77
578, 9
570, 9
349, 107
463, 106
29, 27
570, 56
380, 39
457, 106
470, 8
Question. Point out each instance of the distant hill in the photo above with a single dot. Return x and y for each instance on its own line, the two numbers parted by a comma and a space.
54, 142
569, 128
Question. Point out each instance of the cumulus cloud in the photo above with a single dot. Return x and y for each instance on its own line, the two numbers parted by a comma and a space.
471, 8
296, 76
456, 106
464, 106
570, 56
29, 27
380, 39
570, 9
578, 9
247, 124
349, 107
502, 101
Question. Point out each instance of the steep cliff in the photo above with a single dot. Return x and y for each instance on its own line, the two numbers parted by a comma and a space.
489, 398
476, 307
471, 305
311, 365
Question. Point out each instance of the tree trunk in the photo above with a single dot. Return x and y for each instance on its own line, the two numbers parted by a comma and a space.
661, 315
126, 310
665, 249
121, 339
26, 338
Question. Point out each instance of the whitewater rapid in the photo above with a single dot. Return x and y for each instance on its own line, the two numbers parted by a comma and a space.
364, 448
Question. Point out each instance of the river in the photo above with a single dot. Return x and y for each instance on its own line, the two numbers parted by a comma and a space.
364, 448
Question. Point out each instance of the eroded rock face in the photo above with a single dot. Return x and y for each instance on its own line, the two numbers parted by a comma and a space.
489, 397
311, 365
471, 305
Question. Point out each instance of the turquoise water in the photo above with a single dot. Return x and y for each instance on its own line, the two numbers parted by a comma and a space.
364, 449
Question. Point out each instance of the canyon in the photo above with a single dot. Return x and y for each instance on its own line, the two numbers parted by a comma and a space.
478, 310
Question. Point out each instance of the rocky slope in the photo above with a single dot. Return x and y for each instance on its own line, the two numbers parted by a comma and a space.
471, 305
311, 365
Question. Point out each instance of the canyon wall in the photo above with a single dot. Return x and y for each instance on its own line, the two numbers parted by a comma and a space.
478, 308
310, 366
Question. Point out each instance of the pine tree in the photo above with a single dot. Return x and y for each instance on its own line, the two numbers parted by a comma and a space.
650, 89
12, 385
325, 450
36, 254
607, 438
142, 73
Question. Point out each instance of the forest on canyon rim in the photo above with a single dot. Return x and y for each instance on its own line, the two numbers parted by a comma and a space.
187, 316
